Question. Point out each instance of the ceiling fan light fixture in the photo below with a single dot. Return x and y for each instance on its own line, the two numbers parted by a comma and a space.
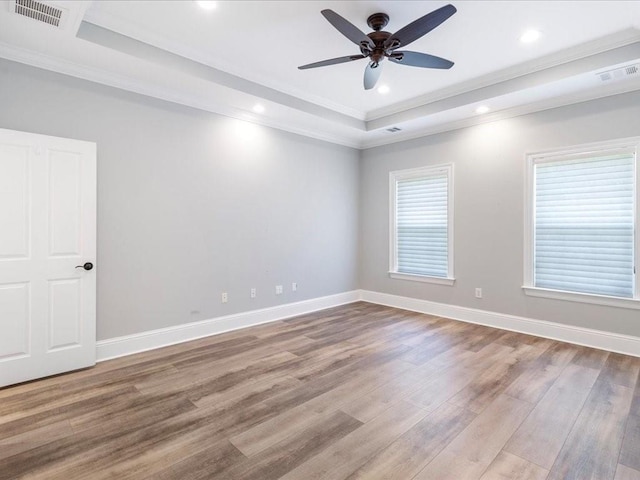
482, 109
207, 4
530, 36
383, 89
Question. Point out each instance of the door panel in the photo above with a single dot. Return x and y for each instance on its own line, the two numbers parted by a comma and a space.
64, 203
14, 201
16, 320
47, 228
64, 314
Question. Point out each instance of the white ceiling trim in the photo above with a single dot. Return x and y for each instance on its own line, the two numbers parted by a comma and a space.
131, 47
620, 39
305, 118
124, 27
504, 114
610, 50
103, 77
538, 78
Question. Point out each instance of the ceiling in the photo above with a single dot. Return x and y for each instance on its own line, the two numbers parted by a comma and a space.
242, 53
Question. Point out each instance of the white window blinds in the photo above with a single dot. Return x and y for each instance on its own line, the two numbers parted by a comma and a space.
421, 223
584, 224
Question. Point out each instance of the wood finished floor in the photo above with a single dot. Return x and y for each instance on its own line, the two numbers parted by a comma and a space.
355, 392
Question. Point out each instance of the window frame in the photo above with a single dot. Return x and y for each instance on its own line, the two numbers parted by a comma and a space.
576, 152
406, 174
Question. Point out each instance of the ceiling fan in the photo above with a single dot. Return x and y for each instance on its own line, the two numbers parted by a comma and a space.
379, 44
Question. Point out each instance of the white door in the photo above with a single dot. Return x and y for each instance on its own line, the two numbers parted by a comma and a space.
47, 229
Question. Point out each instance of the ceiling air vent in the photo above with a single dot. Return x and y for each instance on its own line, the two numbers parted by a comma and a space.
39, 11
618, 73
393, 129
605, 76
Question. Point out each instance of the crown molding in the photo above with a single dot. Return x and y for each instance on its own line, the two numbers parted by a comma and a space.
348, 137
537, 79
122, 27
130, 47
617, 40
518, 111
103, 77
148, 89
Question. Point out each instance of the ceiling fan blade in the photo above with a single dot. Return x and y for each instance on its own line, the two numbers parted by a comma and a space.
419, 27
332, 61
371, 75
348, 29
424, 60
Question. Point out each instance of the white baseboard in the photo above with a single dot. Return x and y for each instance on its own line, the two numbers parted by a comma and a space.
613, 342
141, 342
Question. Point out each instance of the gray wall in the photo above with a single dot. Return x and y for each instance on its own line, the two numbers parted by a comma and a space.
191, 204
489, 170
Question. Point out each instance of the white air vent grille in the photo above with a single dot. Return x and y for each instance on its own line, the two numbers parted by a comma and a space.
39, 11
606, 76
393, 129
618, 73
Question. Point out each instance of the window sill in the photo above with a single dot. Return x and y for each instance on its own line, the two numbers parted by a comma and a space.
422, 278
582, 297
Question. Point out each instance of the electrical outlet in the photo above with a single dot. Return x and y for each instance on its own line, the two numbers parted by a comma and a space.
253, 293
278, 289
478, 293
225, 297
294, 287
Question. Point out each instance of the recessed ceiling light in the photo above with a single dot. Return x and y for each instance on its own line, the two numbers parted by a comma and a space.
530, 36
258, 108
383, 89
482, 109
207, 4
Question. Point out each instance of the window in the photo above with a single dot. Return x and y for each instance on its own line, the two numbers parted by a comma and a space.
422, 224
583, 213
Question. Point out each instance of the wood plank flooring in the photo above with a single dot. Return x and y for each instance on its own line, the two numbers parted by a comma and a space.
360, 391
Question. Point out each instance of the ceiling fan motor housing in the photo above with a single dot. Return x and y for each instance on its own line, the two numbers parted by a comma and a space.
377, 22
